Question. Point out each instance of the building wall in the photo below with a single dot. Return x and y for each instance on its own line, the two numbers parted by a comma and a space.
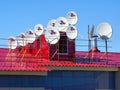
117, 79
60, 80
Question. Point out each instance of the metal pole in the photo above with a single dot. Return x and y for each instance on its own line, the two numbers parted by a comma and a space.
89, 42
40, 51
58, 52
106, 51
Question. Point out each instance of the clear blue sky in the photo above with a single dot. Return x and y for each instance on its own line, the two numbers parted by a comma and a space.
16, 16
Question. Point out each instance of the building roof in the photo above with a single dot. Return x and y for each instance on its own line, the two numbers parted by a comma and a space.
99, 58
11, 62
14, 62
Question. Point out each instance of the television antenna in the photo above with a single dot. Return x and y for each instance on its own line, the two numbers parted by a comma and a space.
92, 37
89, 38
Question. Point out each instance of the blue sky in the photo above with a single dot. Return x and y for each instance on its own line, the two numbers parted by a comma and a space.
17, 16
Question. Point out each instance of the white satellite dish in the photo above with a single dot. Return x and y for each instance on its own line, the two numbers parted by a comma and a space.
38, 29
30, 36
104, 31
72, 17
62, 24
52, 35
12, 43
51, 23
21, 39
71, 32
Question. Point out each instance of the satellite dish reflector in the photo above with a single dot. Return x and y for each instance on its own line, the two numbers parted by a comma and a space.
72, 17
104, 31
62, 24
12, 43
52, 35
51, 23
38, 29
71, 32
30, 36
45, 29
21, 39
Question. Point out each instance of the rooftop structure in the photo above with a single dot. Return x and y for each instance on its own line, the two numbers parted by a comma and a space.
49, 55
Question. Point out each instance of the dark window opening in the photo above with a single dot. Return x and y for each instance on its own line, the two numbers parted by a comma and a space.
63, 44
31, 47
20, 48
38, 44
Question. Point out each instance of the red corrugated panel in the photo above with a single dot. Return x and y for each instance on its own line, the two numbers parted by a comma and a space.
28, 62
10, 61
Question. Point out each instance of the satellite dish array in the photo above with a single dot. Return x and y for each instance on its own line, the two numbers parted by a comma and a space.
52, 32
